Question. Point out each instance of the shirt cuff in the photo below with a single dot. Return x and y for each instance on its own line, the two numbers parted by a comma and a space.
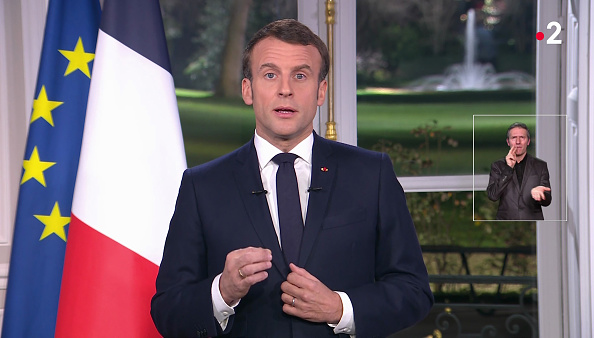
221, 310
346, 325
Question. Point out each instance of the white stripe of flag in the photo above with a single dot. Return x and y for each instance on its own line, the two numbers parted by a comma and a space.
131, 163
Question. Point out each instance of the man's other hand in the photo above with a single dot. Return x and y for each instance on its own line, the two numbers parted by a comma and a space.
243, 268
538, 193
308, 298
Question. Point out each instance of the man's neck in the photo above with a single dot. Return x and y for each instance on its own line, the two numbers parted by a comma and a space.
284, 145
520, 158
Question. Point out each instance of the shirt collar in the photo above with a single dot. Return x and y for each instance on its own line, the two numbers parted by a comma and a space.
523, 161
266, 151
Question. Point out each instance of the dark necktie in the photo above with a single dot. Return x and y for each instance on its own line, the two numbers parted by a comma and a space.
289, 206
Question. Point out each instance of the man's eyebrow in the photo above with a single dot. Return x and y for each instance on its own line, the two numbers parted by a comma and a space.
269, 65
296, 68
302, 67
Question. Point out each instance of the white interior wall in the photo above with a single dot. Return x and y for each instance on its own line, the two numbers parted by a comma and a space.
21, 35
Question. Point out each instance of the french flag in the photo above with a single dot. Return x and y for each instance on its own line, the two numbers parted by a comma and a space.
132, 160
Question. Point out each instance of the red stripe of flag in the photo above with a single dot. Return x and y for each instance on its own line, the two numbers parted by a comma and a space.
94, 273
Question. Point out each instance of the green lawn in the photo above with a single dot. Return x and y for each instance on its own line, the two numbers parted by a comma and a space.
395, 121
213, 127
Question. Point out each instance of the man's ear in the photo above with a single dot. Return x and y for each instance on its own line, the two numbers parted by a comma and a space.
322, 88
507, 141
246, 91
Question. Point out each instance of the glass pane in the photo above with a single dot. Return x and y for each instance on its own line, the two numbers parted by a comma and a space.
439, 83
426, 68
483, 274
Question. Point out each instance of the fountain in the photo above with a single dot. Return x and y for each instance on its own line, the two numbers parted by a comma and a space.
472, 75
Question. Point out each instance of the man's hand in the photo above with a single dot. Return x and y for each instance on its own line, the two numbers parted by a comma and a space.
243, 268
313, 301
538, 193
511, 156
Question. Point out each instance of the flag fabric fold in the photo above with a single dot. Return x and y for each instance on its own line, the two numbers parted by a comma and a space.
49, 168
131, 163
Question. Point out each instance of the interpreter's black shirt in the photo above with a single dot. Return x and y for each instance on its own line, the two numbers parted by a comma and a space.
519, 168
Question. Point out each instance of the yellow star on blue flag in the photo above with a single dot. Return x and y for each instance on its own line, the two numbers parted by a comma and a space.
34, 168
42, 107
78, 59
54, 223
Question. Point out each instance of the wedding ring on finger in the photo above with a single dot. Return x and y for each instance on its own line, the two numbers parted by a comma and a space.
241, 274
293, 302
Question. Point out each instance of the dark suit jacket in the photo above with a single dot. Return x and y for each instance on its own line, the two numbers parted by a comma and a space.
358, 238
515, 201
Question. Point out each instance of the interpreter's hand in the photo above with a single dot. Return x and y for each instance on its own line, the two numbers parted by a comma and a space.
243, 268
313, 300
510, 158
538, 193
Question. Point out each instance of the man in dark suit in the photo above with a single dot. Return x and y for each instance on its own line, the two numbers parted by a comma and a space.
351, 266
519, 182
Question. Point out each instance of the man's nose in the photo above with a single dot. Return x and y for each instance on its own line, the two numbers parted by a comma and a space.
285, 89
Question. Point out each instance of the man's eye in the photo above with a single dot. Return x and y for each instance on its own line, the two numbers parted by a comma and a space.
269, 75
300, 76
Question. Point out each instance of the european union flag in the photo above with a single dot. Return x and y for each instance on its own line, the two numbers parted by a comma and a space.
49, 168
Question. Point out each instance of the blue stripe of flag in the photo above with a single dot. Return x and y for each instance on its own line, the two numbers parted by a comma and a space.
138, 25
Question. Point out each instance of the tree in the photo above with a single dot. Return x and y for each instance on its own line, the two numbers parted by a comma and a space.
229, 84
519, 19
373, 16
183, 21
437, 16
201, 55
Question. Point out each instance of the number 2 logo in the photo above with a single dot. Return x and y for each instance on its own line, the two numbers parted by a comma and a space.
552, 40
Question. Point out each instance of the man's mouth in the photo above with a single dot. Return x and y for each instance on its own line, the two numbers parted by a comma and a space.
285, 110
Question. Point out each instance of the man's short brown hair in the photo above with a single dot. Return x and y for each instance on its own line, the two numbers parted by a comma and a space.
518, 125
289, 31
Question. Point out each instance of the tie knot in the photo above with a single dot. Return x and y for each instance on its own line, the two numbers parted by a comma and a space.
284, 158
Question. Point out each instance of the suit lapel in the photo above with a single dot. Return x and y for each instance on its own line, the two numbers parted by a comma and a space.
247, 176
323, 170
516, 182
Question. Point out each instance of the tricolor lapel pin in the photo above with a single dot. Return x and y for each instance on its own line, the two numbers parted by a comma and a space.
324, 169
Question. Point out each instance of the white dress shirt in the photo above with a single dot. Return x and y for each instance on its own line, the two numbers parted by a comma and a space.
265, 152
